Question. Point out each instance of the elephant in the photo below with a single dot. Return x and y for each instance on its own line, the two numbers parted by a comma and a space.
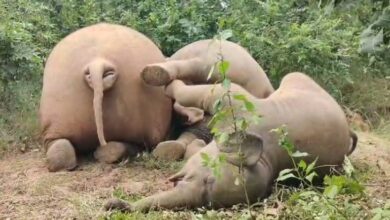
315, 124
192, 64
92, 78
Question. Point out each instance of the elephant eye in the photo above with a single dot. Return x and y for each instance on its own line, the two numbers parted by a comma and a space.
86, 72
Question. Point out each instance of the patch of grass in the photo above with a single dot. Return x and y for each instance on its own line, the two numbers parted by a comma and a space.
86, 205
148, 216
149, 162
370, 96
383, 129
236, 212
19, 126
307, 204
121, 194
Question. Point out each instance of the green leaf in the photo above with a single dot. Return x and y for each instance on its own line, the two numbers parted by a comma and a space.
219, 116
307, 194
223, 67
285, 171
354, 187
286, 144
250, 107
205, 159
223, 138
226, 83
214, 130
287, 176
331, 191
311, 176
347, 166
226, 34
299, 154
311, 166
239, 97
222, 158
242, 124
217, 105
302, 164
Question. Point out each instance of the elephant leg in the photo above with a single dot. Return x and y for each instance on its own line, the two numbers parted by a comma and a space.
199, 96
189, 195
195, 146
195, 70
204, 96
115, 151
175, 149
191, 115
61, 155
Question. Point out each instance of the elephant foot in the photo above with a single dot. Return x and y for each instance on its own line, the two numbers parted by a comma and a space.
195, 146
117, 204
114, 152
191, 115
61, 155
156, 75
169, 150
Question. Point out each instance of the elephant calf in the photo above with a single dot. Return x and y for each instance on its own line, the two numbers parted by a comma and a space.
315, 122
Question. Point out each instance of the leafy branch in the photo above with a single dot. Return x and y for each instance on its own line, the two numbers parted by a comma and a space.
225, 111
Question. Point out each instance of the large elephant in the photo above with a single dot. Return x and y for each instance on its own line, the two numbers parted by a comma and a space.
91, 79
315, 123
193, 64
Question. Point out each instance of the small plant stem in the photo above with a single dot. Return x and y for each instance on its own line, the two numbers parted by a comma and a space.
243, 182
232, 110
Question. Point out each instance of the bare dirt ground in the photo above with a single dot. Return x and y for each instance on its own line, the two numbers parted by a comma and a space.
29, 191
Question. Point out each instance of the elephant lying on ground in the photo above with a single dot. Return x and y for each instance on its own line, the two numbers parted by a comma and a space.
102, 60
315, 123
192, 64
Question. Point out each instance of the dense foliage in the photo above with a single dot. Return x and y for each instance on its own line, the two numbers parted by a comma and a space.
339, 42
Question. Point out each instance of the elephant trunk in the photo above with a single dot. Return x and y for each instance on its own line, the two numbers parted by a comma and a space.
187, 196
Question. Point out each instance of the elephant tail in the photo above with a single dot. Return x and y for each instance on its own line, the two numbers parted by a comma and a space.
97, 82
354, 141
100, 75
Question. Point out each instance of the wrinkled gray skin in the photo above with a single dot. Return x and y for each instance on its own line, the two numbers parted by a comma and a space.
316, 125
192, 64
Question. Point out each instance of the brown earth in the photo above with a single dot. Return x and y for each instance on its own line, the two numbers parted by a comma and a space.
29, 191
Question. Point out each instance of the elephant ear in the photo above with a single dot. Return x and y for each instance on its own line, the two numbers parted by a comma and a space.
251, 149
